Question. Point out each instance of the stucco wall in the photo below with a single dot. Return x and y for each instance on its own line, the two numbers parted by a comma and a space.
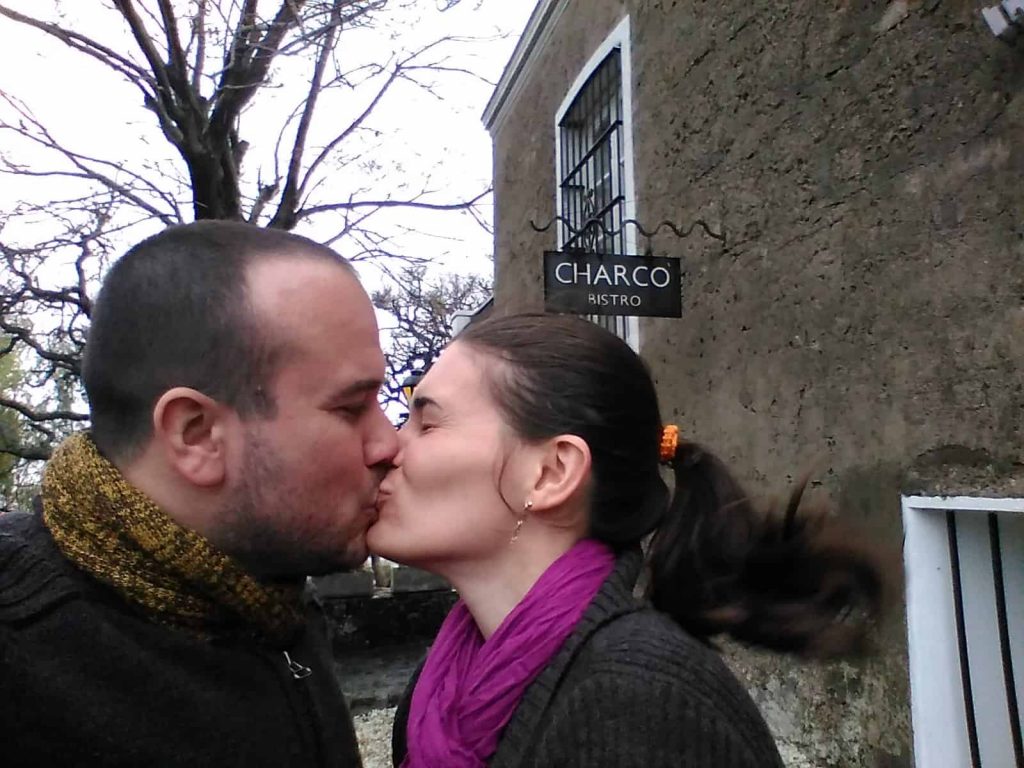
866, 163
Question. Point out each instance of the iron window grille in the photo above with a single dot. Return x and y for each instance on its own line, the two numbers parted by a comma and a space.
592, 175
593, 168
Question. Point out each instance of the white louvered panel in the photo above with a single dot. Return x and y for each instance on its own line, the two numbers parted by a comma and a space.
995, 744
937, 702
1011, 535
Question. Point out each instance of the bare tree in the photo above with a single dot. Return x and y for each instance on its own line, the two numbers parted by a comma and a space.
200, 68
197, 66
421, 307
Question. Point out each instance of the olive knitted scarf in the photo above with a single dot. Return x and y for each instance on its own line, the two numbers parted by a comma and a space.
120, 537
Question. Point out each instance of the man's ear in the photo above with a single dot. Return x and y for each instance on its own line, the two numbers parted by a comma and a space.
563, 472
191, 430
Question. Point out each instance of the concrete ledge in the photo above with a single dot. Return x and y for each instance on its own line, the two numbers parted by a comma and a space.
406, 579
387, 619
335, 585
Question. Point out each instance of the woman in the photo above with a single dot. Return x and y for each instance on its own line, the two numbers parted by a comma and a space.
528, 476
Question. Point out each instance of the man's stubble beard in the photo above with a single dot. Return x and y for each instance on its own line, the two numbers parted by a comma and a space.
258, 522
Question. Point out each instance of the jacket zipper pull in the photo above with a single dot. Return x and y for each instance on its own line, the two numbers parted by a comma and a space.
298, 671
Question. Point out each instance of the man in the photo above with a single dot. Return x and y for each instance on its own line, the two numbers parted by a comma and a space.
154, 615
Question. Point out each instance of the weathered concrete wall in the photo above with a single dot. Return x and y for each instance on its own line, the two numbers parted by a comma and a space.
869, 176
866, 162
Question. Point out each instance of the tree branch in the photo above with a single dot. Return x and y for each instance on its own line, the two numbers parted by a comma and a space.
79, 161
164, 90
106, 56
33, 415
351, 205
248, 64
352, 127
285, 217
175, 52
27, 452
66, 361
199, 36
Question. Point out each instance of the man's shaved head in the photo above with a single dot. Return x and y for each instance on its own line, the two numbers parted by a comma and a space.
175, 311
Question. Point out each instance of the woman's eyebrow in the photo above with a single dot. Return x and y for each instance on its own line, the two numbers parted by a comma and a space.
422, 401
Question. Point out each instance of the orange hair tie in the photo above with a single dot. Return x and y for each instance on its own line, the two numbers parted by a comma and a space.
669, 442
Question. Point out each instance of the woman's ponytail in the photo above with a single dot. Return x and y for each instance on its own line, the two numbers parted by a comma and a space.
789, 579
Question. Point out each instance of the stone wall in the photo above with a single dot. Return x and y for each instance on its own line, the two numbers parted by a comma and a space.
380, 639
864, 317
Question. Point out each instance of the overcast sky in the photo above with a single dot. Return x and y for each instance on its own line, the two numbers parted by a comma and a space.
421, 137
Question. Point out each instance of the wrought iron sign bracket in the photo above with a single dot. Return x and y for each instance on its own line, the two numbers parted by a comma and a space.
593, 225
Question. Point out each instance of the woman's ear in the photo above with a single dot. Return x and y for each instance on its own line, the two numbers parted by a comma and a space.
563, 471
190, 430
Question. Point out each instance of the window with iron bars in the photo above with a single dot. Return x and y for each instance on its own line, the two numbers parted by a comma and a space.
592, 172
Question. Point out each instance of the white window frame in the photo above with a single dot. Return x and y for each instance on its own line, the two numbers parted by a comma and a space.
618, 38
937, 694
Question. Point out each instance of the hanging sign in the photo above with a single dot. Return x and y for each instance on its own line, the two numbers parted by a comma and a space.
599, 284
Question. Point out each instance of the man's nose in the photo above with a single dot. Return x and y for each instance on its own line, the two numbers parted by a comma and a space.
382, 441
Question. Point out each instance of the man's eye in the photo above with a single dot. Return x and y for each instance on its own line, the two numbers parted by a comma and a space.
352, 409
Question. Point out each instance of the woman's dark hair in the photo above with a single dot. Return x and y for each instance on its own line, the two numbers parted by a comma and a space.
174, 311
788, 579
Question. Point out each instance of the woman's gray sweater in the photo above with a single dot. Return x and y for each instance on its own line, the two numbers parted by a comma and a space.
629, 689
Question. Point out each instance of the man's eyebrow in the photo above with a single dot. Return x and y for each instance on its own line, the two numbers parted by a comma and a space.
358, 387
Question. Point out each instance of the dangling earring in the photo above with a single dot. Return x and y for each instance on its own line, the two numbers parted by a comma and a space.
519, 523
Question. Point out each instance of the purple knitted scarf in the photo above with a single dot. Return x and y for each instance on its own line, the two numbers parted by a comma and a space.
469, 688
